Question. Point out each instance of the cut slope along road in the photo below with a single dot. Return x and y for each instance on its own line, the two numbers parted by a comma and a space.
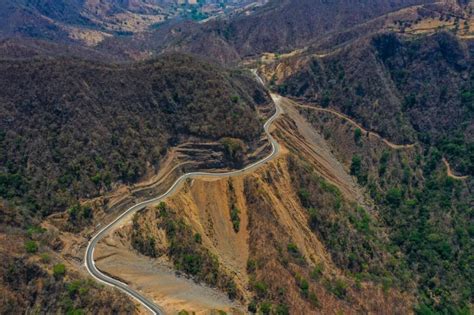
89, 254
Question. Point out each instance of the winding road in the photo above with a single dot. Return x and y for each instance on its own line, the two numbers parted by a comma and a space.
89, 254
355, 124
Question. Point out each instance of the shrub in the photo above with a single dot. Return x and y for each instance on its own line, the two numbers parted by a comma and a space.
161, 209
356, 165
33, 230
59, 270
357, 135
317, 271
45, 258
314, 299
304, 195
251, 266
265, 307
313, 218
304, 286
339, 288
282, 309
293, 250
356, 170
383, 162
31, 247
325, 100
394, 197
235, 217
252, 307
73, 287
261, 288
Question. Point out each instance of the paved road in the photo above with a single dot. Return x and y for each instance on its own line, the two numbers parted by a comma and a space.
89, 255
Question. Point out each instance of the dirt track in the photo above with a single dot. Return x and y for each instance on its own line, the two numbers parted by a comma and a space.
355, 124
450, 172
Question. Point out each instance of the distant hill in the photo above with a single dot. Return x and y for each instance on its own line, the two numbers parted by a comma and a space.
89, 22
122, 28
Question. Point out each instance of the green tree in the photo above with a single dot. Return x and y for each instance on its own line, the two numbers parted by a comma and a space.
31, 247
357, 136
356, 165
59, 270
394, 197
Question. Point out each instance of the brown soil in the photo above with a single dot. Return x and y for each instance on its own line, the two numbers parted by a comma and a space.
450, 173
157, 279
204, 204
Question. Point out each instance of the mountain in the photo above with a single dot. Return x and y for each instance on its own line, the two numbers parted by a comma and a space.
364, 206
279, 26
96, 124
423, 89
409, 85
87, 23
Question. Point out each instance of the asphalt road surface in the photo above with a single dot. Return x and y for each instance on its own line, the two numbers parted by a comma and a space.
89, 255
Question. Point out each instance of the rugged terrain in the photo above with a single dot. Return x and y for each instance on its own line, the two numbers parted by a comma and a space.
301, 235
271, 247
73, 130
89, 22
367, 208
405, 88
94, 125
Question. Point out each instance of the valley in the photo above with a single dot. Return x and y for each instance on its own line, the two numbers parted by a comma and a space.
145, 169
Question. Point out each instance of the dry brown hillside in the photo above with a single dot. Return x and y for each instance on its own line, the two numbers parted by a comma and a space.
297, 235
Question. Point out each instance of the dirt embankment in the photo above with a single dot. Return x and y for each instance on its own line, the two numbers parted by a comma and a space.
271, 217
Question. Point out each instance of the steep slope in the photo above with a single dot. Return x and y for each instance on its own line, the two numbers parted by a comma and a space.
89, 22
279, 26
286, 24
300, 235
268, 238
35, 278
66, 20
427, 212
72, 129
405, 88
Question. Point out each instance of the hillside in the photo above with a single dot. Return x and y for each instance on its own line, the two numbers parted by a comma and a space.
266, 238
407, 89
137, 30
34, 278
88, 22
364, 206
72, 129
279, 26
336, 224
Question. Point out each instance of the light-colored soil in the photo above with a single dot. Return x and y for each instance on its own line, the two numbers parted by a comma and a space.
315, 149
205, 205
159, 281
88, 37
450, 173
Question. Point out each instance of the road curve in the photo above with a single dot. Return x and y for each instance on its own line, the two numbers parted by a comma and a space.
89, 254
354, 123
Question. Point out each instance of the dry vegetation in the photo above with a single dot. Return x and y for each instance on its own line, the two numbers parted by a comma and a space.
71, 129
406, 89
304, 245
35, 279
